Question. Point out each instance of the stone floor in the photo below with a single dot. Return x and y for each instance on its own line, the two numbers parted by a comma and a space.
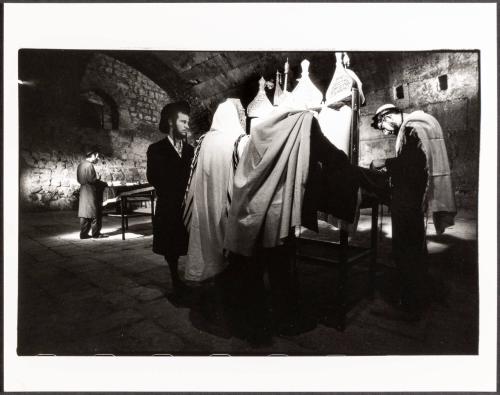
108, 296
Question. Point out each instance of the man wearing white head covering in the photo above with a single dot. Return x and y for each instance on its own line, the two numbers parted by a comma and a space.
208, 196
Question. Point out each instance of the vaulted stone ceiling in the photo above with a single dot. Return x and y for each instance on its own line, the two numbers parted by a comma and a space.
209, 77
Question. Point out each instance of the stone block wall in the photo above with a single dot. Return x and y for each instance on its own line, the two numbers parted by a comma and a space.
222, 75
456, 109
138, 98
53, 141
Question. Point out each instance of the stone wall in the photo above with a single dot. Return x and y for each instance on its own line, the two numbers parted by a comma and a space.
221, 75
53, 139
138, 98
236, 74
456, 108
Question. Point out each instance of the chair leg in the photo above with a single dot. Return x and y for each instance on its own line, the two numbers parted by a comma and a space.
293, 250
152, 206
374, 250
342, 281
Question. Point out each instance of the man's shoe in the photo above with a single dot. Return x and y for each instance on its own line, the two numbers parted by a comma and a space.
83, 237
100, 236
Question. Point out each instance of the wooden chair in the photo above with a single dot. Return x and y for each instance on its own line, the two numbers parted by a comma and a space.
340, 253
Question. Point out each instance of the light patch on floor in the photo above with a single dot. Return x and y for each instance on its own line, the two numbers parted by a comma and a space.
112, 233
115, 297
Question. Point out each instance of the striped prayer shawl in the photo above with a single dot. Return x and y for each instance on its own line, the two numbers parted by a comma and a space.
235, 161
187, 203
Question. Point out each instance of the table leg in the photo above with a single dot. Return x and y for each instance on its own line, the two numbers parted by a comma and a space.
374, 249
123, 201
152, 205
293, 250
343, 276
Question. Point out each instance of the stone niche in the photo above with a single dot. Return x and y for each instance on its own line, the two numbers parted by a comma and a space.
78, 102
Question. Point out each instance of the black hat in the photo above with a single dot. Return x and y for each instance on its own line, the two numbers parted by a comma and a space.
92, 150
170, 110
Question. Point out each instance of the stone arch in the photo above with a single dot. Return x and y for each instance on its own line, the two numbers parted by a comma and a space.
98, 110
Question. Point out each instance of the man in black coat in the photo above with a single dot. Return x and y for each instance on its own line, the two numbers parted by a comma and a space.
168, 167
408, 174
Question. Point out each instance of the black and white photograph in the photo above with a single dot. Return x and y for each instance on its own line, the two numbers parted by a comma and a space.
211, 201
248, 203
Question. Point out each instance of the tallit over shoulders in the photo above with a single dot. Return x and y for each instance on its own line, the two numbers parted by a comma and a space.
206, 198
440, 195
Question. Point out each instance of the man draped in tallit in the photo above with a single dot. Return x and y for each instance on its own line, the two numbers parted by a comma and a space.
280, 185
440, 199
269, 183
209, 191
420, 181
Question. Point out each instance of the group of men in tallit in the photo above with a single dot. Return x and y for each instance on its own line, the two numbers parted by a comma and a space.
235, 199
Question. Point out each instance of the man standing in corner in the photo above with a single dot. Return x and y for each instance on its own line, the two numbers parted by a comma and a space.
168, 167
90, 201
420, 183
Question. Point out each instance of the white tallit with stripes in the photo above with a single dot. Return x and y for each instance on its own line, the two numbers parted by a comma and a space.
209, 193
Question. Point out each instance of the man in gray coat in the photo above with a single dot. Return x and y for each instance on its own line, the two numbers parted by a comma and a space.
90, 202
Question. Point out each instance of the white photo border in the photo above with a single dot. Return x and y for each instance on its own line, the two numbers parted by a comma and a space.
258, 26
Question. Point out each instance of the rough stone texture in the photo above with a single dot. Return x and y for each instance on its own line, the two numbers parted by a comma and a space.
53, 140
133, 85
456, 109
139, 99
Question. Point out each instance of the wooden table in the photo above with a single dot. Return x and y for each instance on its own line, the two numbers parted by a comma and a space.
131, 194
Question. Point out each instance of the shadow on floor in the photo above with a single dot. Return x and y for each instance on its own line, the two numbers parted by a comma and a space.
112, 296
226, 307
138, 229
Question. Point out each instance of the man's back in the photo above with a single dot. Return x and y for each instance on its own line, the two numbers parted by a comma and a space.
85, 173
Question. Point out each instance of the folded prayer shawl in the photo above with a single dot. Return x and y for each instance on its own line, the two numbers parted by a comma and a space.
439, 194
269, 183
336, 126
187, 203
207, 195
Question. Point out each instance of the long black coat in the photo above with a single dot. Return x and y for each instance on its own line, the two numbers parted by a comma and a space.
169, 174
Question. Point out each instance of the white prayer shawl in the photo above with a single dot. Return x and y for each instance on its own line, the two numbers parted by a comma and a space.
439, 195
336, 126
209, 188
269, 183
